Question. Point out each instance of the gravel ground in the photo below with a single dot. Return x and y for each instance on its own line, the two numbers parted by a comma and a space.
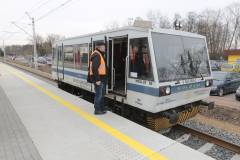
216, 152
230, 137
194, 142
220, 153
174, 134
226, 114
228, 101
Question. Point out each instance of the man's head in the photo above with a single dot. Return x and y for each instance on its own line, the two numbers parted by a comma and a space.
100, 46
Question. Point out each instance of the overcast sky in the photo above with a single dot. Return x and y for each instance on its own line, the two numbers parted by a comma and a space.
86, 16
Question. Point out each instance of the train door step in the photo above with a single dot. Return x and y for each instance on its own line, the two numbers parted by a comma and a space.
116, 97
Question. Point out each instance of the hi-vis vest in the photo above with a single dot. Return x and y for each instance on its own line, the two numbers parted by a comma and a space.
102, 66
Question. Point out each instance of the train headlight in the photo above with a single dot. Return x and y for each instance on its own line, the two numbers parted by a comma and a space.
168, 90
207, 83
165, 90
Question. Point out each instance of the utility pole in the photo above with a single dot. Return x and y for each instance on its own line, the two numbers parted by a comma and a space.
33, 36
34, 45
34, 41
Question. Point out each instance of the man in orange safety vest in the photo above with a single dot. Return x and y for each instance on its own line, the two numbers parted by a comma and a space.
98, 76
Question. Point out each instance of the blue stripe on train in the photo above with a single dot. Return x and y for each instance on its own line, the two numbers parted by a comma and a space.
70, 73
186, 87
174, 89
144, 89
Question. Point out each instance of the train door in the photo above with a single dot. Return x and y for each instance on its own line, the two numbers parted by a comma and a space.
117, 51
110, 65
60, 66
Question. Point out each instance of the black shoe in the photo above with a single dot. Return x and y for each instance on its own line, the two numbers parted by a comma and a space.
105, 109
99, 112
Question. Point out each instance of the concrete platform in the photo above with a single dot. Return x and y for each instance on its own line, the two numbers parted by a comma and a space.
62, 126
15, 143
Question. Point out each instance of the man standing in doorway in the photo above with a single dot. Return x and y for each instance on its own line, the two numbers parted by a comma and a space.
98, 75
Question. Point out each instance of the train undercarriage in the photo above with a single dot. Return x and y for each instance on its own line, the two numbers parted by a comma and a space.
153, 121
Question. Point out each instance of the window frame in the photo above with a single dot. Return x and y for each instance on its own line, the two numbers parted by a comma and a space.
64, 57
54, 55
77, 47
182, 38
150, 58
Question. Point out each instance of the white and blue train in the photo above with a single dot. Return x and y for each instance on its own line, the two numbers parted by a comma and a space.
156, 76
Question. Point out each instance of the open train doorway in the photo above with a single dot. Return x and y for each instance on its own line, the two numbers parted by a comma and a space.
118, 48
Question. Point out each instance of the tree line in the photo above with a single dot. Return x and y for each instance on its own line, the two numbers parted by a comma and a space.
221, 26
44, 46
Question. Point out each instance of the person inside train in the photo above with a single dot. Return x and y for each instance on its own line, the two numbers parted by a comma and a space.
133, 58
146, 60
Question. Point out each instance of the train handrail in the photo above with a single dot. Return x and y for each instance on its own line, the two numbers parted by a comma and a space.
126, 73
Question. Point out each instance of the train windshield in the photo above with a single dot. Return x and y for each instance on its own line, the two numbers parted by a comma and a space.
180, 57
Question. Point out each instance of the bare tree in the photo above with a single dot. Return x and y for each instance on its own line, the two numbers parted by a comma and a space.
190, 23
233, 11
216, 25
158, 20
112, 25
44, 45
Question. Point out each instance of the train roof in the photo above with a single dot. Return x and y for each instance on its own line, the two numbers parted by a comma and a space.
132, 29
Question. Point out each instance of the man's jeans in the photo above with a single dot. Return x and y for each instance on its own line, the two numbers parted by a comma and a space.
99, 97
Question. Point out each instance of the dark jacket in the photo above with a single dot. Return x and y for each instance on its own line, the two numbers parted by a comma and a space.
95, 58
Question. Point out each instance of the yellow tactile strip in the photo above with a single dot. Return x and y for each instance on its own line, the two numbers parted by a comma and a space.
135, 145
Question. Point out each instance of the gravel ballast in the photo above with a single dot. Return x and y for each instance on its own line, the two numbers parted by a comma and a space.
219, 133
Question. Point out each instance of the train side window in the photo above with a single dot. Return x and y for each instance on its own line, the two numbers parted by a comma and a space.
68, 57
84, 56
55, 56
77, 57
81, 56
139, 60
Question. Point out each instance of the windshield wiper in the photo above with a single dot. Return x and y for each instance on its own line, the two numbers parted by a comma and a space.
201, 75
182, 64
193, 70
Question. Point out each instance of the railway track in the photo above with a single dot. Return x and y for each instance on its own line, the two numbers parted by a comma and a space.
212, 139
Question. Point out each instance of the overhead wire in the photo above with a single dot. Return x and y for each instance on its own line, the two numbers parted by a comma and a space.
19, 19
53, 10
40, 6
34, 9
31, 11
23, 16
